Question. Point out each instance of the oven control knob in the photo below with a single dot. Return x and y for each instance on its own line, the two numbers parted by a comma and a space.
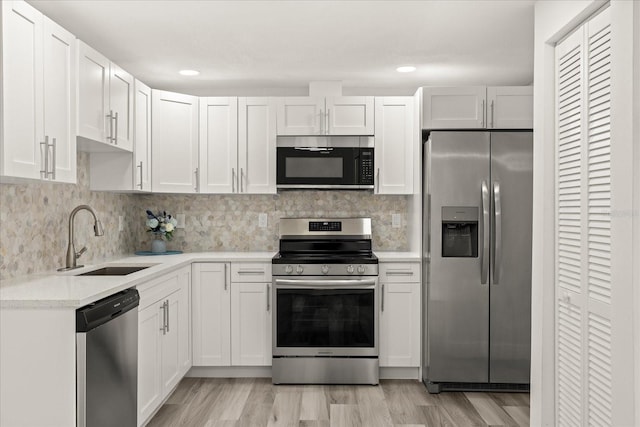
350, 269
299, 269
324, 269
361, 269
288, 269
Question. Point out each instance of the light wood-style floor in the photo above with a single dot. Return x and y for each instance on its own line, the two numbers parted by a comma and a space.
253, 402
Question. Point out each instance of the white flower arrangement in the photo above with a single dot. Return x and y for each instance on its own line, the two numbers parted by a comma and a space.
161, 224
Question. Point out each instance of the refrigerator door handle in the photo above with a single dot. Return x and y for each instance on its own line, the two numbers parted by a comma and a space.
484, 275
497, 256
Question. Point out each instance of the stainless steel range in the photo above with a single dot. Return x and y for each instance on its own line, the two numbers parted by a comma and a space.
325, 294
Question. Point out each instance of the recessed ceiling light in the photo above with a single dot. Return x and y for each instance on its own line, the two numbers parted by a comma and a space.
189, 72
406, 69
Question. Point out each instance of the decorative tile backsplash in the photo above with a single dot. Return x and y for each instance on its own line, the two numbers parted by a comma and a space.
34, 221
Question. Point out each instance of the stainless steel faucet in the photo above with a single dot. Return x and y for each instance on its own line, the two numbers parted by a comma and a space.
72, 255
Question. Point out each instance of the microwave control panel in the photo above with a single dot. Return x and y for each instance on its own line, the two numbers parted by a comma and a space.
366, 167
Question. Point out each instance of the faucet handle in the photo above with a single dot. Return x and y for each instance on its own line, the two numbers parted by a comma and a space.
81, 251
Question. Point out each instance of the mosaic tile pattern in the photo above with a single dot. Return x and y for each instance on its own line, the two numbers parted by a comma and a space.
34, 221
230, 222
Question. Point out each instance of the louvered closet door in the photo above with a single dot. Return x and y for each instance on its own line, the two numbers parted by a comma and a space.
583, 226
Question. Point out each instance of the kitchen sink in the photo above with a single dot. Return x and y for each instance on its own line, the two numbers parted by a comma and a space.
115, 270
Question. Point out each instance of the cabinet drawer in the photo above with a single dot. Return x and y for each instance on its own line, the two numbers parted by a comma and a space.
154, 290
250, 272
399, 272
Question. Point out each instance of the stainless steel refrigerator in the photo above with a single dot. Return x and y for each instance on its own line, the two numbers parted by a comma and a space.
477, 260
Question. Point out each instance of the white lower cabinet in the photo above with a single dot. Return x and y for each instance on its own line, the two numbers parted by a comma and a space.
164, 344
400, 317
232, 314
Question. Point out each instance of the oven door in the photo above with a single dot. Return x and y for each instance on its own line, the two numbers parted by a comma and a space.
325, 316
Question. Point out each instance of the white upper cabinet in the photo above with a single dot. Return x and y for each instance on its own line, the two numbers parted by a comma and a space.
120, 170
174, 131
142, 137
237, 145
257, 145
478, 107
218, 145
105, 103
395, 141
340, 115
454, 107
38, 102
510, 107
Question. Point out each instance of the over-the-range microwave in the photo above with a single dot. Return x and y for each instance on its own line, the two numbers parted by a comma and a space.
325, 162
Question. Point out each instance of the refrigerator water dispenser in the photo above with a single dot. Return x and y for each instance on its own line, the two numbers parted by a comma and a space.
459, 232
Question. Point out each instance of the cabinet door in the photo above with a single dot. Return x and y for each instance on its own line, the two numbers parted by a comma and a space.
395, 140
60, 100
142, 137
250, 324
149, 351
183, 319
170, 348
121, 107
93, 94
349, 115
510, 107
301, 116
400, 324
454, 107
257, 145
22, 97
218, 145
211, 304
174, 158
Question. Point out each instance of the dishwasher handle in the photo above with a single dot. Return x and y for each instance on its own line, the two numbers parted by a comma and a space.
100, 312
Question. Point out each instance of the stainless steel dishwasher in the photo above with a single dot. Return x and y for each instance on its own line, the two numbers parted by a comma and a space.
107, 361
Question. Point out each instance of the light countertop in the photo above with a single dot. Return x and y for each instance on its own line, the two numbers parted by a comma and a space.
68, 290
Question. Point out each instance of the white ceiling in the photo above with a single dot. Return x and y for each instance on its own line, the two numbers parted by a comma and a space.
277, 47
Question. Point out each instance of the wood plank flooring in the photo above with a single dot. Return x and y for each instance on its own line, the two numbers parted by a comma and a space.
255, 402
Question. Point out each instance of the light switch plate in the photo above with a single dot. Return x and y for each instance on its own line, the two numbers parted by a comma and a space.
396, 220
120, 223
262, 220
181, 220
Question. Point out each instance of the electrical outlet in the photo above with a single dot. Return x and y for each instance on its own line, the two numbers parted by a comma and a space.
396, 220
120, 223
262, 220
181, 218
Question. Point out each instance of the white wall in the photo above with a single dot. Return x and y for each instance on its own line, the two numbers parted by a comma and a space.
553, 21
636, 202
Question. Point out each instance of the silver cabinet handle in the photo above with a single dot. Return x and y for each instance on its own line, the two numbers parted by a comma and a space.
497, 256
485, 234
268, 297
115, 138
140, 166
168, 321
45, 171
164, 318
483, 114
328, 121
382, 299
251, 271
197, 174
225, 276
110, 116
241, 180
233, 180
399, 273
491, 114
53, 158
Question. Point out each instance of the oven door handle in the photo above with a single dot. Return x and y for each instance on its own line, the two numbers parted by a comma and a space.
325, 284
